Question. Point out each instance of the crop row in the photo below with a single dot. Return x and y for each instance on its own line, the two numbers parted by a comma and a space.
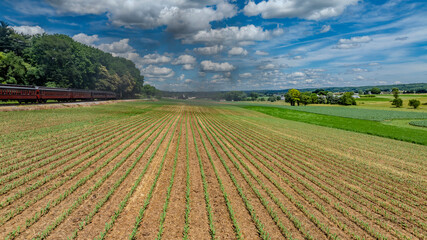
360, 181
49, 190
301, 193
81, 182
250, 138
295, 220
48, 143
46, 179
150, 193
35, 151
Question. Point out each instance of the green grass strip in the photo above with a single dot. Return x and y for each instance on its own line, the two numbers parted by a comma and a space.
349, 124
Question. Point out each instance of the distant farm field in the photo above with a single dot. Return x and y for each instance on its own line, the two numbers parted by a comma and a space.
360, 113
185, 170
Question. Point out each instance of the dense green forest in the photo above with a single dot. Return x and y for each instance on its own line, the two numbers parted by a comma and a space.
59, 61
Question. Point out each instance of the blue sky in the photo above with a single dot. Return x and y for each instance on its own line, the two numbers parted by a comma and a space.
191, 45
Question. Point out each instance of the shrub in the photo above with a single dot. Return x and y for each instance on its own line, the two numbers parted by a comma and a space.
397, 102
414, 103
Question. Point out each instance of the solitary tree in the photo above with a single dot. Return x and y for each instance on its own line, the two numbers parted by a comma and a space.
396, 101
414, 103
293, 96
395, 92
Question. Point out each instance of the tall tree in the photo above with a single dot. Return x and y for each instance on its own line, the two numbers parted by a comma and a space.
293, 96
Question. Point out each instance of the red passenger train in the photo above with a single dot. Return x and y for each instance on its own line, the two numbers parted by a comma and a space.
33, 94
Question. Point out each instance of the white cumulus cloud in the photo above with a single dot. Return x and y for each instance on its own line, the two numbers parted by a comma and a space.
216, 67
209, 50
245, 75
353, 42
117, 48
245, 34
157, 72
325, 28
305, 9
261, 53
180, 17
154, 58
238, 51
187, 61
29, 30
86, 39
184, 59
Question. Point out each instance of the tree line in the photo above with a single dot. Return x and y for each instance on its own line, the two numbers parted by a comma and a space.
295, 97
59, 61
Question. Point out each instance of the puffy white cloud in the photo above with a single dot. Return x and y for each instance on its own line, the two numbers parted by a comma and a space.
245, 75
86, 39
359, 77
29, 30
187, 61
353, 42
306, 9
181, 77
209, 50
261, 53
238, 51
325, 28
267, 66
120, 48
184, 59
249, 33
157, 72
216, 67
154, 58
359, 70
180, 17
296, 75
188, 66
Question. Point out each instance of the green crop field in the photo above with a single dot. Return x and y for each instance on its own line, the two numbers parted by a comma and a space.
201, 170
359, 113
422, 123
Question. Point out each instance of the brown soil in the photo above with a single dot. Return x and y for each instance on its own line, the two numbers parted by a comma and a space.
97, 225
64, 204
322, 179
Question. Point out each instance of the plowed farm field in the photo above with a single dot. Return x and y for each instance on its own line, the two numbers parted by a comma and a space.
168, 170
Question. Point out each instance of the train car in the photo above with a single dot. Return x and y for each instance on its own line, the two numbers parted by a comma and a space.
58, 94
83, 95
34, 94
18, 93
103, 95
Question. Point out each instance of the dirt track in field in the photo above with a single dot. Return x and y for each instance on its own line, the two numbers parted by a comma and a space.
265, 177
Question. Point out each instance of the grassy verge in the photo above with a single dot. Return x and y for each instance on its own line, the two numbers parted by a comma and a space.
349, 124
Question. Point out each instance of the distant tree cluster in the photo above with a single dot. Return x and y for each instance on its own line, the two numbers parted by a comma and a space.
59, 61
319, 96
234, 96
